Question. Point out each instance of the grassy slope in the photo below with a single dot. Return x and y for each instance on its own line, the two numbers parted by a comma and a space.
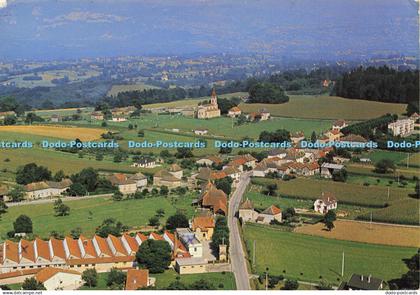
315, 256
327, 107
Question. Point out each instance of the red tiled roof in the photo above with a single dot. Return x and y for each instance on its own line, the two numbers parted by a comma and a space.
58, 248
42, 248
137, 278
88, 246
48, 272
203, 222
155, 236
103, 245
73, 247
119, 247
12, 251
132, 243
27, 250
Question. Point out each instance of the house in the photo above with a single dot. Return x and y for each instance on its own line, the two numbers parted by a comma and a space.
211, 110
201, 131
97, 116
333, 135
267, 166
144, 162
232, 172
191, 265
213, 199
56, 118
234, 112
277, 153
209, 160
4, 193
361, 282
3, 115
339, 124
176, 170
270, 214
403, 128
325, 203
264, 114
203, 227
297, 137
248, 214
46, 189
206, 174
190, 241
243, 160
328, 169
353, 138
59, 279
124, 111
165, 178
125, 184
138, 279
118, 119
140, 179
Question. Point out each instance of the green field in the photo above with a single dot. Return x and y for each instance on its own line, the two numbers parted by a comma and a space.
169, 276
356, 198
327, 107
133, 213
262, 202
352, 194
190, 102
307, 257
129, 87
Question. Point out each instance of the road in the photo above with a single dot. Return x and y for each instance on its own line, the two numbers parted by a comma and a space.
52, 200
236, 251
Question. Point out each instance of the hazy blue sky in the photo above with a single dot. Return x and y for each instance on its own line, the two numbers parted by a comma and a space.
301, 28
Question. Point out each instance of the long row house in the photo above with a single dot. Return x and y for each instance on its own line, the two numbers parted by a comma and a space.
82, 253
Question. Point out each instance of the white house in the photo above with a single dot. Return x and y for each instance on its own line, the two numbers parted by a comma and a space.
201, 131
404, 127
325, 203
144, 162
59, 279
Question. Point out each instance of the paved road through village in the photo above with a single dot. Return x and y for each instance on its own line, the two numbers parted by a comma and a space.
236, 250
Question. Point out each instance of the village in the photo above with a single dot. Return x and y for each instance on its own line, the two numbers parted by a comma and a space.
213, 179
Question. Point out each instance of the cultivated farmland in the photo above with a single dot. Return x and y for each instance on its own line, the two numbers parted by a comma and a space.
310, 258
366, 233
327, 107
83, 134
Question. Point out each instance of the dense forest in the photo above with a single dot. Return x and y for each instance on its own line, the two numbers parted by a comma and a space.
380, 84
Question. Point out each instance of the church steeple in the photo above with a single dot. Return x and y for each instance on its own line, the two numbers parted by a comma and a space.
213, 99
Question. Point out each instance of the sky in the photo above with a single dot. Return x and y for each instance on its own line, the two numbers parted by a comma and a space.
306, 29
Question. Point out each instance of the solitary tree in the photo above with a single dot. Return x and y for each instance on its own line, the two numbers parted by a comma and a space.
329, 219
60, 208
23, 224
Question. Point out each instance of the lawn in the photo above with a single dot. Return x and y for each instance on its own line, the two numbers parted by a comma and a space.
307, 257
133, 213
163, 280
327, 107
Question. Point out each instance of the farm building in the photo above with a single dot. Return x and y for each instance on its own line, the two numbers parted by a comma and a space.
46, 189
328, 169
248, 214
209, 160
144, 162
234, 112
166, 178
213, 199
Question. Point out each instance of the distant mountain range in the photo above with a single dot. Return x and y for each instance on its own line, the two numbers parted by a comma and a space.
303, 29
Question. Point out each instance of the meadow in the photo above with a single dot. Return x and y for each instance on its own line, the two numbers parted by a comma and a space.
327, 107
89, 213
311, 258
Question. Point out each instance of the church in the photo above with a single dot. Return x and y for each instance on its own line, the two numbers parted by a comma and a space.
211, 110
